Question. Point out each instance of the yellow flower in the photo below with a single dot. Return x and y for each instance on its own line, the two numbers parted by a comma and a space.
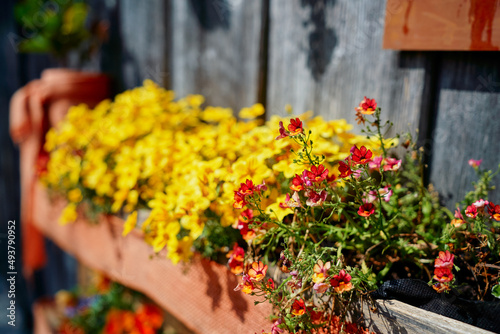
178, 250
275, 211
167, 231
252, 169
75, 195
130, 223
253, 112
68, 214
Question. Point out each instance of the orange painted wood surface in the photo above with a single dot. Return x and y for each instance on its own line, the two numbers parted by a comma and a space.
200, 295
442, 25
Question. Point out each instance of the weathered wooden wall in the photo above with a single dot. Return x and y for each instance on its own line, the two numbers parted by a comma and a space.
325, 55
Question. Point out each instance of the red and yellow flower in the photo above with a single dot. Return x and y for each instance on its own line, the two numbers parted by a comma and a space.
341, 282
367, 106
295, 127
257, 271
366, 210
361, 155
494, 211
298, 307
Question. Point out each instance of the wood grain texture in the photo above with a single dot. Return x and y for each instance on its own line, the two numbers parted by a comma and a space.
143, 41
393, 316
442, 25
327, 55
467, 124
215, 50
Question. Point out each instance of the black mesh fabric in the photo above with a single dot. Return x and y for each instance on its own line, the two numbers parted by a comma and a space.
418, 293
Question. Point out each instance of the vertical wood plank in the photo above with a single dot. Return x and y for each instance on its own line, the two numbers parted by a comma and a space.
326, 55
467, 122
143, 41
215, 50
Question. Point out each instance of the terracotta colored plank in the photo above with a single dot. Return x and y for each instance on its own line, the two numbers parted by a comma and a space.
442, 25
200, 295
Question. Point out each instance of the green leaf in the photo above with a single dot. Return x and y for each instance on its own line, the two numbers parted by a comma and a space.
495, 291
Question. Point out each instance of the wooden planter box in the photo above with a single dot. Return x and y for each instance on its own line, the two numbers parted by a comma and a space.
201, 294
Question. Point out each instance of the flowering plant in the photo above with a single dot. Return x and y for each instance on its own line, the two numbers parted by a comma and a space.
108, 308
348, 226
178, 159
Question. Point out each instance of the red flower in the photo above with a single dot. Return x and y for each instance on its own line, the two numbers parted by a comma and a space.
236, 257
341, 282
443, 275
315, 199
283, 132
247, 188
270, 284
295, 127
246, 218
237, 253
257, 272
366, 210
471, 211
297, 183
445, 260
367, 106
344, 169
361, 155
317, 174
298, 307
330, 179
239, 200
494, 211
246, 285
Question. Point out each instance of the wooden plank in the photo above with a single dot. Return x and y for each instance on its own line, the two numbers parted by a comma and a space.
143, 41
393, 316
442, 25
215, 50
327, 55
467, 123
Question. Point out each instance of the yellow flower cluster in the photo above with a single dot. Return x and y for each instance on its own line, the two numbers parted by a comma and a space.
178, 159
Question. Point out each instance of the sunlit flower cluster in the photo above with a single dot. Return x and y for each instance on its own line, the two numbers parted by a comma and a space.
182, 161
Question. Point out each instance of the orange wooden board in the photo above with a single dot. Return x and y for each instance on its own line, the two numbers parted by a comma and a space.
442, 25
201, 295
